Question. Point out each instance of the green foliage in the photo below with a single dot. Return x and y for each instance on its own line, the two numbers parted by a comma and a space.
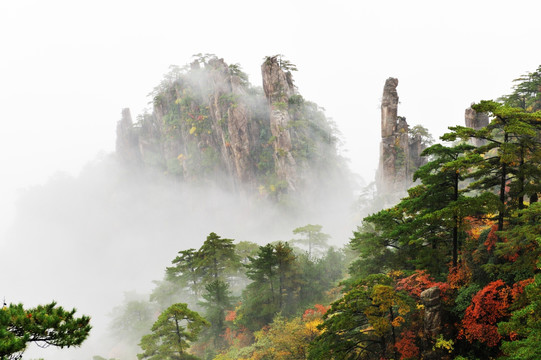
312, 237
506, 161
421, 133
362, 324
45, 324
217, 299
284, 64
524, 327
193, 270
381, 244
217, 258
275, 288
132, 319
526, 92
463, 299
185, 271
236, 70
517, 253
173, 332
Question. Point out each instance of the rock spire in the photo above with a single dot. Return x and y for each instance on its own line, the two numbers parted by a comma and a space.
400, 149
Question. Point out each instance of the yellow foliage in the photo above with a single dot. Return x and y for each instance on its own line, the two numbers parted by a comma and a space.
285, 339
398, 321
395, 274
381, 325
312, 326
192, 130
441, 343
403, 309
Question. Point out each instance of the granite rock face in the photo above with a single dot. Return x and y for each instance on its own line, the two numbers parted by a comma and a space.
476, 121
127, 139
432, 317
278, 87
399, 150
209, 125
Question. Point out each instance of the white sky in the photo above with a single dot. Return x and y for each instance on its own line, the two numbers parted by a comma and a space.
67, 68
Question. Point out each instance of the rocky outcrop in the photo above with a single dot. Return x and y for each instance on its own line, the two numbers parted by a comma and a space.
209, 124
278, 87
399, 150
127, 139
233, 120
432, 312
389, 108
476, 121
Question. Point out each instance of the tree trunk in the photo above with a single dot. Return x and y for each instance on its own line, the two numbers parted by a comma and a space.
503, 180
455, 224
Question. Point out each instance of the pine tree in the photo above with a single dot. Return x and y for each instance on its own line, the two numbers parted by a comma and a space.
313, 238
173, 332
217, 300
217, 258
45, 324
504, 162
185, 272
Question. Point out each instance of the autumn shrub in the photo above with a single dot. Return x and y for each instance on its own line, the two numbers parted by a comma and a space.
489, 306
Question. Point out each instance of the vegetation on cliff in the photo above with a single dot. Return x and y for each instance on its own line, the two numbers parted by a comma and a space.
210, 125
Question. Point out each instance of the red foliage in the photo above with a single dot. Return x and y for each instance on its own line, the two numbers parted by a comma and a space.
231, 315
418, 282
459, 276
518, 288
488, 306
406, 346
238, 338
492, 238
475, 226
318, 311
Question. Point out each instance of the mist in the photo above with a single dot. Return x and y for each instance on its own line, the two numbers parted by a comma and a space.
85, 240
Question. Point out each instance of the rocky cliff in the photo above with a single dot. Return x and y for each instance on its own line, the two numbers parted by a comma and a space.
210, 125
476, 121
400, 147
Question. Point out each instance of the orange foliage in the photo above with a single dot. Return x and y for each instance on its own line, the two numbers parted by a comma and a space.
239, 338
231, 315
492, 238
318, 311
476, 226
489, 306
518, 288
406, 346
459, 276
